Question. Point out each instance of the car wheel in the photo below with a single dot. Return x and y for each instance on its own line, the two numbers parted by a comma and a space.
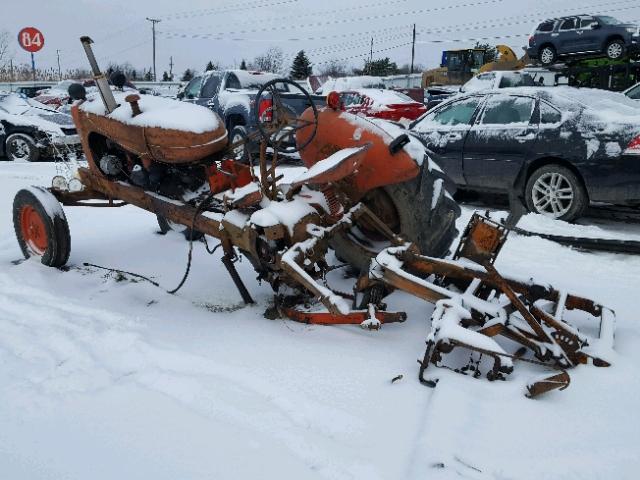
555, 191
167, 225
20, 146
240, 136
615, 50
547, 55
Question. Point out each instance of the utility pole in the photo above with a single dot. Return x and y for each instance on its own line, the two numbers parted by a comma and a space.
153, 29
59, 72
413, 46
371, 56
171, 68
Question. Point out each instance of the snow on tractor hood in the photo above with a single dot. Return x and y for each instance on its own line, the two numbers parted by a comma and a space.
18, 110
156, 112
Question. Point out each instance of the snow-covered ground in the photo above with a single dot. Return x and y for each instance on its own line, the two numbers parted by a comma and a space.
103, 378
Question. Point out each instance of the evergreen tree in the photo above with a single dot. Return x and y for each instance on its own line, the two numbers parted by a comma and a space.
148, 76
243, 65
165, 76
187, 75
301, 67
380, 67
491, 52
210, 66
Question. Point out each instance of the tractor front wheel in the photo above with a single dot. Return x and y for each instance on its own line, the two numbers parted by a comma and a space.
41, 226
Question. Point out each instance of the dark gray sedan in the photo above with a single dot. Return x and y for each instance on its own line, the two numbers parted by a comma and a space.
557, 148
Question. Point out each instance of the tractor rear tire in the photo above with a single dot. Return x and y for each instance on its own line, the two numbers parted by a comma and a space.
41, 227
422, 213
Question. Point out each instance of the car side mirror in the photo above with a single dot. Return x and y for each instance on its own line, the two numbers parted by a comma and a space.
190, 96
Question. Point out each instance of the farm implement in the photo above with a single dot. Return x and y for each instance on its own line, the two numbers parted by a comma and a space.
369, 193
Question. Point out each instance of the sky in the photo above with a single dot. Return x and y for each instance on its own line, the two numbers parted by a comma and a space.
192, 32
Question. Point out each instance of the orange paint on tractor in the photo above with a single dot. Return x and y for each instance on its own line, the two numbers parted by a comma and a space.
229, 175
337, 130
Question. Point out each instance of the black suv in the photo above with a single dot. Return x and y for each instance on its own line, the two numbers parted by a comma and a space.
583, 36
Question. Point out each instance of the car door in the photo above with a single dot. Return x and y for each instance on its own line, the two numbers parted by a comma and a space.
499, 141
192, 90
209, 92
444, 130
567, 38
588, 36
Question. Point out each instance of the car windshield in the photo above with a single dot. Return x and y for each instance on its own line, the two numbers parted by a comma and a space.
484, 81
634, 92
516, 80
609, 20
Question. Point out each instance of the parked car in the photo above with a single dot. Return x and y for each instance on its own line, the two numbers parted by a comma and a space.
31, 91
231, 94
484, 81
633, 92
386, 104
556, 148
496, 80
583, 36
30, 130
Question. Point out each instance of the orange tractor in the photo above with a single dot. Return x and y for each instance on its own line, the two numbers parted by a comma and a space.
369, 192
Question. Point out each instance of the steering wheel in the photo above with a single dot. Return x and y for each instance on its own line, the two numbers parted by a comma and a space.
278, 123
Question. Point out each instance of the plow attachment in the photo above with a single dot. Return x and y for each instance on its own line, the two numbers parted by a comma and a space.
476, 306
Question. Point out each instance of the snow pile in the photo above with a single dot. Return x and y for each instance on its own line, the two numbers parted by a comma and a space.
350, 83
157, 112
535, 222
327, 164
289, 213
382, 97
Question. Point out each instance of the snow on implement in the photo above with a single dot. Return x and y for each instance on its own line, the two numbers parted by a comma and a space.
475, 305
370, 193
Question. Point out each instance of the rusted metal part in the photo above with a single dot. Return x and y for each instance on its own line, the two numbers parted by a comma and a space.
554, 382
133, 101
482, 240
354, 317
160, 144
476, 302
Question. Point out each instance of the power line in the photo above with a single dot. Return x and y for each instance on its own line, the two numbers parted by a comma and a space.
318, 14
362, 54
339, 21
230, 9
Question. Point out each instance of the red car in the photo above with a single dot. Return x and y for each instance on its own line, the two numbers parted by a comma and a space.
387, 104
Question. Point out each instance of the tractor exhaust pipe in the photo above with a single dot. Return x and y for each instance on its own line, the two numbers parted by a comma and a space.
101, 81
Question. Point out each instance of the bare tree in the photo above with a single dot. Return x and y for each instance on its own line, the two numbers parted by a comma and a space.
270, 61
334, 68
5, 53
